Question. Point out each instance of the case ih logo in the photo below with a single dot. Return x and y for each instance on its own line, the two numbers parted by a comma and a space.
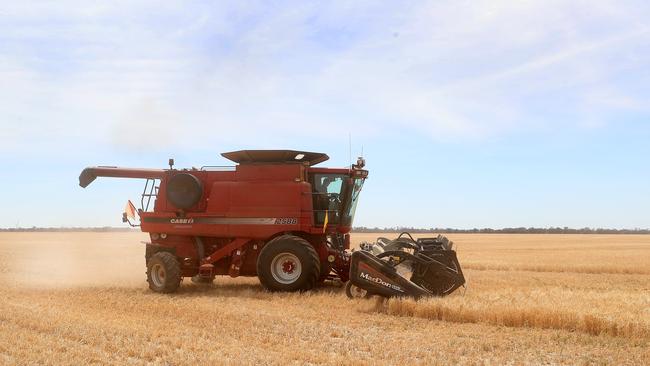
181, 221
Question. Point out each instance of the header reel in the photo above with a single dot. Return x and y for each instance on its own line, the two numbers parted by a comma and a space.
405, 267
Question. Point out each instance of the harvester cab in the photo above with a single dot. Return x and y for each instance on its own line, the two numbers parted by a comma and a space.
274, 215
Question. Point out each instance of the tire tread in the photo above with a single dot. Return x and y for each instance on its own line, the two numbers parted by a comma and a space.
172, 269
292, 241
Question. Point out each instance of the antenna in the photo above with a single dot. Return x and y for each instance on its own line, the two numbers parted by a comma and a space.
350, 149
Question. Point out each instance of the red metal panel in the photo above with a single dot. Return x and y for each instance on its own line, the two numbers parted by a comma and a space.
225, 251
269, 172
183, 244
219, 198
329, 170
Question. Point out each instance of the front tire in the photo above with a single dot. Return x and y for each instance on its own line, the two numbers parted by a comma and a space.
163, 272
288, 263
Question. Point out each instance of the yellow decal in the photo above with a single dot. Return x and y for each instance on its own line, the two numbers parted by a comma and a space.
325, 223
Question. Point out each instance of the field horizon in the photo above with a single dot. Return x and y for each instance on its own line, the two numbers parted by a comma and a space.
378, 230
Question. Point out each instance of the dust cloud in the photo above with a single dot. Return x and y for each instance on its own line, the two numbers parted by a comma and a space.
78, 259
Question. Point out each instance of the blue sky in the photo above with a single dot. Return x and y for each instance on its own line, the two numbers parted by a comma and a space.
470, 114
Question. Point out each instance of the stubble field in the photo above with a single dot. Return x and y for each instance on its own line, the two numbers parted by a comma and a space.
81, 298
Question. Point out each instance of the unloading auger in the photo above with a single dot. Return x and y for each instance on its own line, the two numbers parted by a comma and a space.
405, 267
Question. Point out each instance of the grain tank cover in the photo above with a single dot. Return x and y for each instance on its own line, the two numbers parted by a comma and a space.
275, 156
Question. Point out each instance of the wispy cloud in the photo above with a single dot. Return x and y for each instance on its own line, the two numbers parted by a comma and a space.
110, 73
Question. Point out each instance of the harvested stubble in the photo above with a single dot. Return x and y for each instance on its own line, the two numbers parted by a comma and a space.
81, 299
603, 269
522, 286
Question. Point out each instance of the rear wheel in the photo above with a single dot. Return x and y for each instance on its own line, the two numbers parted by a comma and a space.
288, 263
163, 272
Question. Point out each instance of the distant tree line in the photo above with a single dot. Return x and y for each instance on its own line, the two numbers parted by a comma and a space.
507, 230
363, 229
67, 229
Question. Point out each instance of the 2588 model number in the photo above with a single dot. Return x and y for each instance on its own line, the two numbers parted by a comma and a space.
286, 221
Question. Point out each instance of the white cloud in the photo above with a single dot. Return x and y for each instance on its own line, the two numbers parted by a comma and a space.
198, 74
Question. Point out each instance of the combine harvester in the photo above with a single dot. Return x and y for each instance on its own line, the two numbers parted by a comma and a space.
275, 216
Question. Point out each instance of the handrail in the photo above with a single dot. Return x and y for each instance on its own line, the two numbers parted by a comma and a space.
145, 207
219, 168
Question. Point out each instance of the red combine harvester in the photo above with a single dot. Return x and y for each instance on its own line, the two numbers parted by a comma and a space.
276, 216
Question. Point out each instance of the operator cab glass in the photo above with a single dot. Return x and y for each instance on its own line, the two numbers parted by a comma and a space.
351, 208
335, 195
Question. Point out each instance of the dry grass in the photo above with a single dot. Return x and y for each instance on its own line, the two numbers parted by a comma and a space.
81, 299
596, 254
596, 269
575, 289
530, 310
